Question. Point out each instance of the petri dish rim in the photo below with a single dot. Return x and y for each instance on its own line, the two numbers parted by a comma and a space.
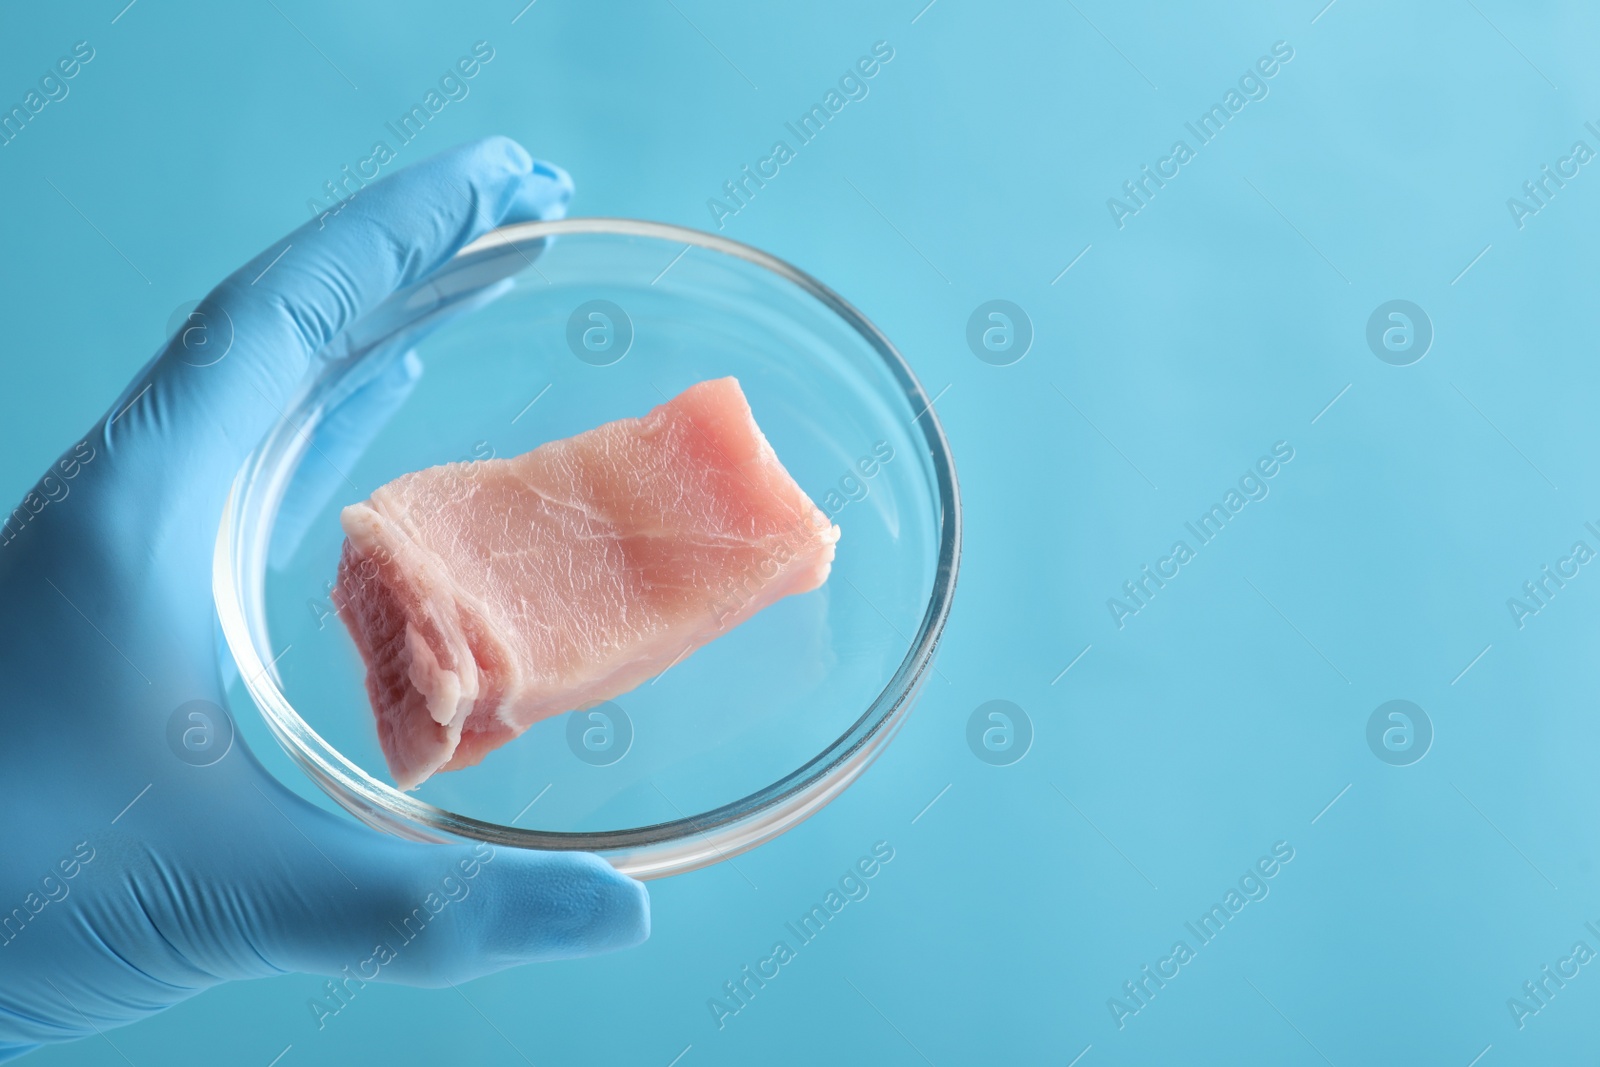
657, 849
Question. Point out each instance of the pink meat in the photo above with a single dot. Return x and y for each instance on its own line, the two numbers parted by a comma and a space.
486, 596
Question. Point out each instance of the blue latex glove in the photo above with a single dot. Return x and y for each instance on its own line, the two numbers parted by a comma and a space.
132, 879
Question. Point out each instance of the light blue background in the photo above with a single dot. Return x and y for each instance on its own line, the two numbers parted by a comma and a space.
1223, 318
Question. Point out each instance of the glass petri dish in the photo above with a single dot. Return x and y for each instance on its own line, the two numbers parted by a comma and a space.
541, 330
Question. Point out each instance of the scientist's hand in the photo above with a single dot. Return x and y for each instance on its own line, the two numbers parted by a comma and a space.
131, 875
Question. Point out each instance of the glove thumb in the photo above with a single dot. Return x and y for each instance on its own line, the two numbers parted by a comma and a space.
376, 908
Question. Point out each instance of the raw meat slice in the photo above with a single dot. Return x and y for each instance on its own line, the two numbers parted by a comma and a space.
486, 596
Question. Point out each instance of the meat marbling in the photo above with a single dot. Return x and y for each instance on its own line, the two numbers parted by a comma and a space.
486, 596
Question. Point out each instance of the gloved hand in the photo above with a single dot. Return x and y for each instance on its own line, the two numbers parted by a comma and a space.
132, 879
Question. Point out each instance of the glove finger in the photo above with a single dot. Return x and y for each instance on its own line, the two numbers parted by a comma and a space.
342, 436
221, 382
379, 908
338, 442
545, 198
